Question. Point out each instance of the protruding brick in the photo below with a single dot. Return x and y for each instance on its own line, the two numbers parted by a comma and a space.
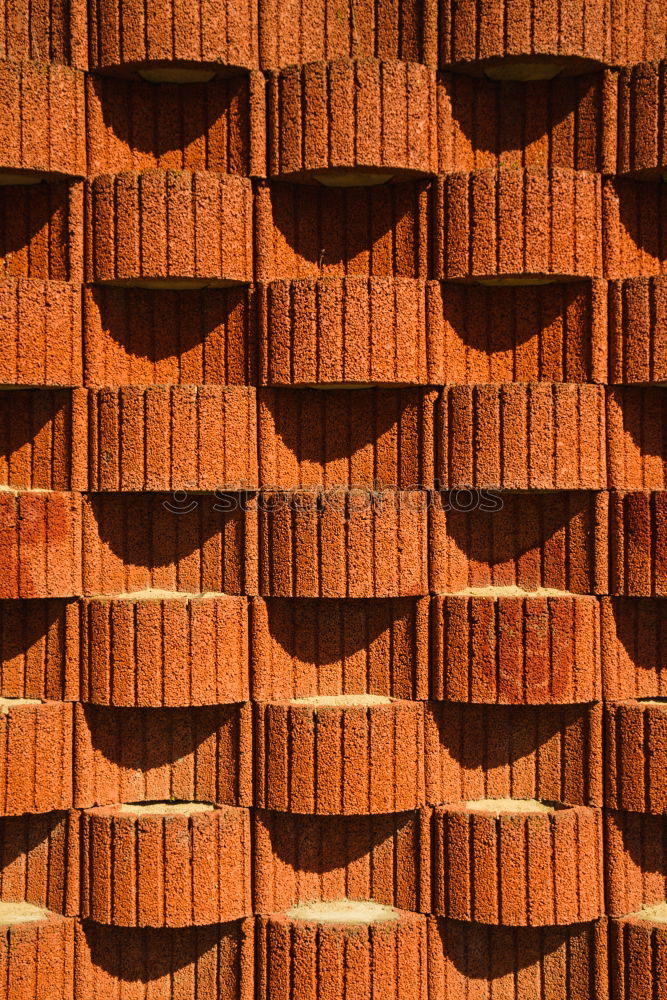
39, 860
169, 864
525, 752
484, 539
515, 650
637, 953
343, 330
141, 36
169, 228
138, 336
637, 536
638, 330
173, 438
340, 755
307, 647
357, 438
521, 437
523, 863
321, 951
635, 861
634, 644
352, 123
146, 754
548, 333
213, 962
636, 755
55, 32
39, 649
347, 543
638, 31
518, 225
41, 237
164, 650
303, 858
40, 544
36, 953
35, 756
194, 543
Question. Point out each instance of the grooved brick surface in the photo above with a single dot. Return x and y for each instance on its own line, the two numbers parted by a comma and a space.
35, 758
37, 958
40, 548
637, 316
635, 861
39, 648
637, 523
635, 750
40, 332
39, 860
636, 951
633, 644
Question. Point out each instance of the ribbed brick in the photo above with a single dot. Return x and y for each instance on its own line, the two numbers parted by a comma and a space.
340, 755
39, 649
521, 437
135, 125
307, 647
634, 643
550, 333
642, 119
146, 754
43, 439
637, 539
314, 232
343, 544
41, 235
525, 868
491, 540
634, 245
637, 954
36, 953
214, 962
348, 123
636, 755
552, 123
40, 333
381, 950
173, 438
138, 336
44, 32
637, 322
35, 756
43, 127
40, 544
165, 868
635, 861
191, 543
567, 35
303, 858
213, 35
637, 429
39, 860
515, 650
523, 752
638, 31
303, 31
170, 226
515, 224
164, 651
566, 963
343, 330
372, 438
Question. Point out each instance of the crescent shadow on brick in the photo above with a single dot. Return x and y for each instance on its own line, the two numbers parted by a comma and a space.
635, 861
634, 661
637, 437
35, 223
39, 642
634, 237
39, 860
36, 439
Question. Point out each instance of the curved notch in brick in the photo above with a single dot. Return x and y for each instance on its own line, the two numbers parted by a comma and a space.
638, 330
517, 225
145, 754
215, 961
642, 116
342, 948
159, 438
519, 40
302, 648
483, 538
522, 437
351, 543
352, 123
32, 146
36, 953
175, 229
637, 952
332, 331
636, 755
357, 438
35, 756
40, 333
40, 544
164, 650
166, 864
340, 755
637, 533
140, 37
517, 862
518, 649
547, 752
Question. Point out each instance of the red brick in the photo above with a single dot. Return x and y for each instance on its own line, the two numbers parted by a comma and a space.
39, 860
43, 439
637, 947
637, 525
41, 544
637, 319
39, 649
635, 861
635, 756
40, 332
41, 237
637, 31
633, 641
36, 954
636, 430
35, 757
54, 32
641, 121
633, 240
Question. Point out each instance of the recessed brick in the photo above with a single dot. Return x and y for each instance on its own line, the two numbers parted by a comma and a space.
41, 544
635, 861
637, 525
39, 860
36, 742
56, 33
637, 319
633, 641
36, 953
635, 755
41, 236
637, 946
39, 649
633, 240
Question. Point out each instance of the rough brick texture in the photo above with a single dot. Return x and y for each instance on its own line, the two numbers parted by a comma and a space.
37, 957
